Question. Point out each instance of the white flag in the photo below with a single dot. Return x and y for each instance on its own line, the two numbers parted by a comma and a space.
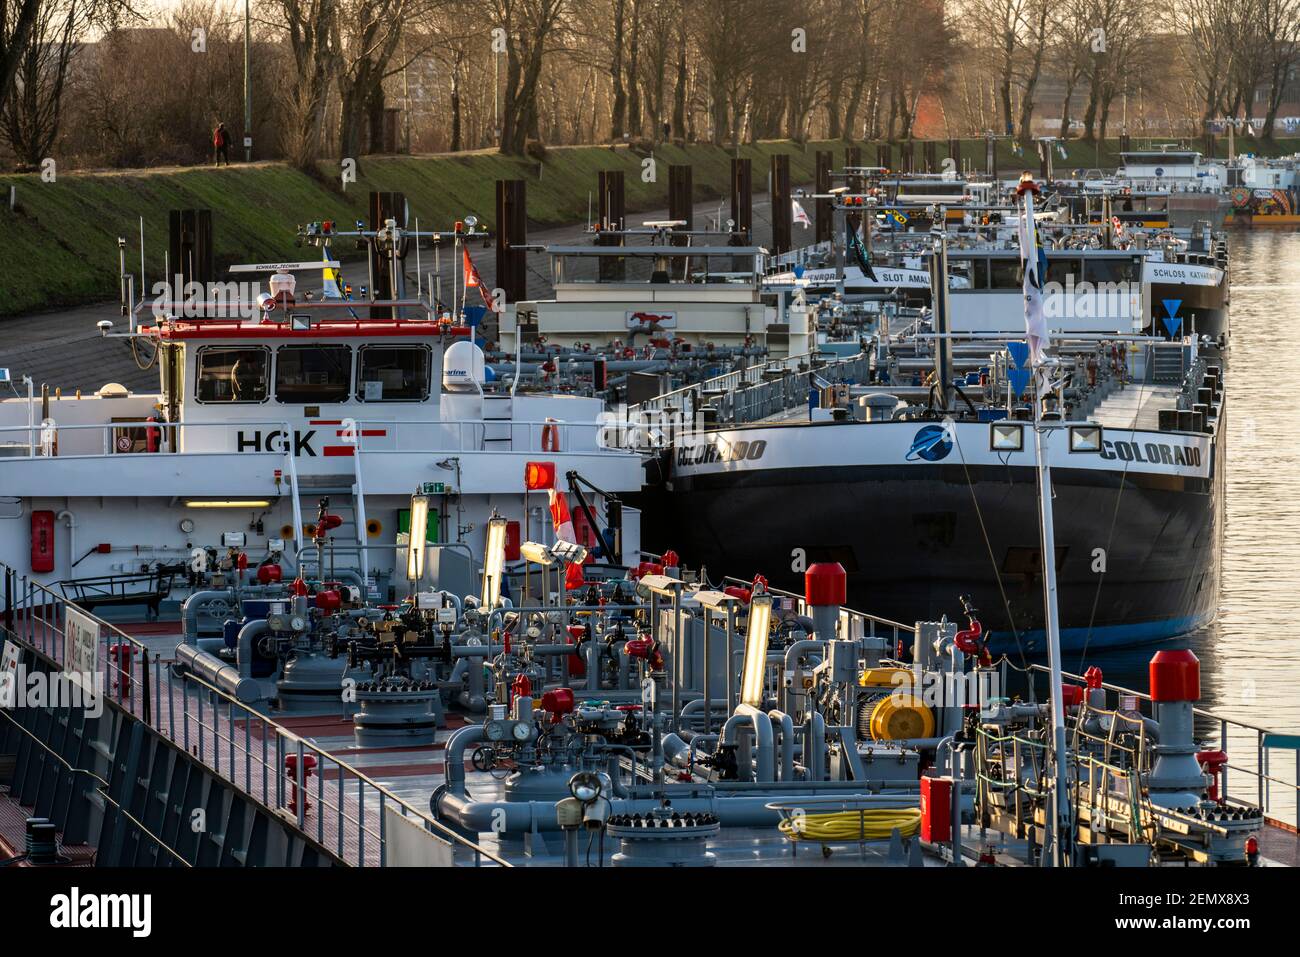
798, 214
1035, 324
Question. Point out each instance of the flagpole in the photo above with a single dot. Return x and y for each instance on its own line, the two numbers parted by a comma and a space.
1058, 824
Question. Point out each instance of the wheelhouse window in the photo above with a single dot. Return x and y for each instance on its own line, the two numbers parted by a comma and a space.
313, 374
233, 374
393, 373
1061, 268
1110, 269
1005, 273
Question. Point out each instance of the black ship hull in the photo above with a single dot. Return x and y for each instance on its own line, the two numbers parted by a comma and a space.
1137, 553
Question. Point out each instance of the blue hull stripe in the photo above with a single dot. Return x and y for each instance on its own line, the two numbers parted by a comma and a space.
1109, 636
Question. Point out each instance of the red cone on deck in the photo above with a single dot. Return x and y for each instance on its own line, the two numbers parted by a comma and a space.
1175, 676
825, 584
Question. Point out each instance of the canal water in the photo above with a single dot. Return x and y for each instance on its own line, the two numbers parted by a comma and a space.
1250, 656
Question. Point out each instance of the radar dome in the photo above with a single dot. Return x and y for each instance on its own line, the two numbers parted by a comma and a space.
463, 368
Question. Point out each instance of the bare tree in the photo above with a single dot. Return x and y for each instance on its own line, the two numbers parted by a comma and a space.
528, 26
38, 41
18, 19
1279, 21
309, 24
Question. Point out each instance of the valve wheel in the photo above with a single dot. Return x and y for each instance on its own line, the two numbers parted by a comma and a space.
483, 759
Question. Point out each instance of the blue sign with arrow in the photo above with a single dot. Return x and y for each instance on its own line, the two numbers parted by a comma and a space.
1171, 320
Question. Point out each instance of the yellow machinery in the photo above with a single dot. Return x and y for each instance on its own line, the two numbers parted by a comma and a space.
889, 708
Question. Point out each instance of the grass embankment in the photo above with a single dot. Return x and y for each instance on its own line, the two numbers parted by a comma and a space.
60, 246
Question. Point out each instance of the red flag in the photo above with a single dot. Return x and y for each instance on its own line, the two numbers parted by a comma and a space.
560, 518
472, 278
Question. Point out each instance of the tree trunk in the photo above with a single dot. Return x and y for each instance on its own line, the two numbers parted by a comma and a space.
679, 91
634, 118
833, 128
20, 35
616, 74
851, 110
1065, 106
456, 62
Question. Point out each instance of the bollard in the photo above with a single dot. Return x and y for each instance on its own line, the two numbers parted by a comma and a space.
291, 771
120, 653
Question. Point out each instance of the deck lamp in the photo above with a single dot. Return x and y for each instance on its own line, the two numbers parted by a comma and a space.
1085, 438
1006, 437
494, 560
227, 503
757, 632
586, 786
418, 537
537, 553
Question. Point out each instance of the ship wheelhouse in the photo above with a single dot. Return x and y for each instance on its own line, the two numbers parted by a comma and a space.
259, 420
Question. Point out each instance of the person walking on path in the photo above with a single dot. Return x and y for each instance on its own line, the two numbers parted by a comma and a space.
220, 145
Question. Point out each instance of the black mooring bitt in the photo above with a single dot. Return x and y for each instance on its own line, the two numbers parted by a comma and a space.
382, 207
782, 212
681, 206
742, 199
512, 236
612, 212
189, 248
825, 159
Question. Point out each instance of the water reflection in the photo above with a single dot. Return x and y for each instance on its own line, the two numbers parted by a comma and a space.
1250, 657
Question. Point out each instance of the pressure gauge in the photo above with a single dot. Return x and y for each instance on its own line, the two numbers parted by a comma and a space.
493, 731
298, 623
187, 525
522, 731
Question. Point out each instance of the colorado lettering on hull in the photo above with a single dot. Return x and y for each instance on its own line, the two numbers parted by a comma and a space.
720, 450
1151, 453
275, 441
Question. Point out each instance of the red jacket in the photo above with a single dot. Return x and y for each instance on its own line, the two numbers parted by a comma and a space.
219, 137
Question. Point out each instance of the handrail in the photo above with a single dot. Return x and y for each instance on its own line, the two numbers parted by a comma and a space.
101, 785
1225, 725
748, 374
32, 590
302, 742
351, 433
898, 626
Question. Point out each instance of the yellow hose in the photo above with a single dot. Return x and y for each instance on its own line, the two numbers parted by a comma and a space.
876, 824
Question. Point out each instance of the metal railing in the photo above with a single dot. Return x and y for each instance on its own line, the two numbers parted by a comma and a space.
342, 809
1231, 732
853, 623
454, 435
752, 393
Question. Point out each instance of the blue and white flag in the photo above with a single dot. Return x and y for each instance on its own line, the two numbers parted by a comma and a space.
1033, 261
329, 278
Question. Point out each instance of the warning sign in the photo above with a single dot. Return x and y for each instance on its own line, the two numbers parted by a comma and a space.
81, 648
